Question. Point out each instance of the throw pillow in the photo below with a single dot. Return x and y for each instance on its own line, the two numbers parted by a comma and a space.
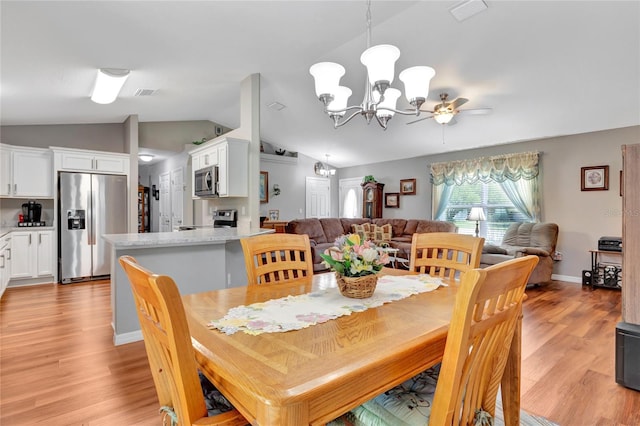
382, 233
361, 230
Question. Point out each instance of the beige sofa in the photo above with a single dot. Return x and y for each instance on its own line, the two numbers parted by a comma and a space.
323, 232
521, 239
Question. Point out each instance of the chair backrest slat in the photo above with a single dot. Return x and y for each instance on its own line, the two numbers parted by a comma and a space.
444, 254
277, 258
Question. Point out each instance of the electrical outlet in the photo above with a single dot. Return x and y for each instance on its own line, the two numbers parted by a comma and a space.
300, 211
556, 255
243, 211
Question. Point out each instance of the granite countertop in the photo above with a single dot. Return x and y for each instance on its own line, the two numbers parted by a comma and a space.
178, 238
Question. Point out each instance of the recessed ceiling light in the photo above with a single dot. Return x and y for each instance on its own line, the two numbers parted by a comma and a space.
276, 106
145, 157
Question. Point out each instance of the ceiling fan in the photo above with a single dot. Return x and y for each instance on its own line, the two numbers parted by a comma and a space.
445, 112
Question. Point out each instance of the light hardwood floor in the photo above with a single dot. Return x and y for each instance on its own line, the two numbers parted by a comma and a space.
58, 365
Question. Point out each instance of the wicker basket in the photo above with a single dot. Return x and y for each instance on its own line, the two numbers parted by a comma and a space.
357, 287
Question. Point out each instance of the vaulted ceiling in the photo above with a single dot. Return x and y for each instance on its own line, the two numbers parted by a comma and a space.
546, 68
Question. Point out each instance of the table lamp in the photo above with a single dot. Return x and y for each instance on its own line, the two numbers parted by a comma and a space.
477, 214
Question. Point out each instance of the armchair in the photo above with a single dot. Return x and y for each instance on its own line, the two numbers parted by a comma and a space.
522, 239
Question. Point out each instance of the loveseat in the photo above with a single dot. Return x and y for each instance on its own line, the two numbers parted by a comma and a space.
522, 239
397, 233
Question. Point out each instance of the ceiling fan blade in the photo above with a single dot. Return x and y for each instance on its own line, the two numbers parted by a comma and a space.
456, 103
420, 119
452, 122
475, 111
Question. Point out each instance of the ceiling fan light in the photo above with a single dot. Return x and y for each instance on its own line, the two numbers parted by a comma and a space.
380, 62
109, 81
327, 77
416, 82
391, 96
339, 103
443, 118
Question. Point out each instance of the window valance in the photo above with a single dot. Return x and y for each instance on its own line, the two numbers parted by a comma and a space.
499, 168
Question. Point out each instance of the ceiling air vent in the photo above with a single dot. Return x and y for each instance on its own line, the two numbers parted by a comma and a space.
145, 92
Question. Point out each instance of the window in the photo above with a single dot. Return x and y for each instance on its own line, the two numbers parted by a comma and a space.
498, 209
505, 186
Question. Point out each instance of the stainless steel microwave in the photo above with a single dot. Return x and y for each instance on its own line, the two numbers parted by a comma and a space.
206, 182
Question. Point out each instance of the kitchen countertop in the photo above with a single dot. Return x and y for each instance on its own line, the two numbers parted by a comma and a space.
4, 230
193, 237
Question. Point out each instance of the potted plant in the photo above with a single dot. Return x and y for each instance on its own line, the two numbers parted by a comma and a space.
369, 178
355, 264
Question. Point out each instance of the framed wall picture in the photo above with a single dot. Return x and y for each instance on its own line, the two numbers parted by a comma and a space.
264, 187
392, 200
594, 178
408, 186
274, 215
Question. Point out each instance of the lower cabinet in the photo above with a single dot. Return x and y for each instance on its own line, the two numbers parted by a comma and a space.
5, 262
31, 254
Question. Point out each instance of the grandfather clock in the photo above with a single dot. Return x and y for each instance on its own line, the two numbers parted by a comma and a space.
372, 200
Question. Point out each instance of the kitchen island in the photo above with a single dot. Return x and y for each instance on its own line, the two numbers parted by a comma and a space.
198, 260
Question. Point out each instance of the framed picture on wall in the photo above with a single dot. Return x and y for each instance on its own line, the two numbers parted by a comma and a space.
264, 187
274, 215
594, 178
408, 186
392, 200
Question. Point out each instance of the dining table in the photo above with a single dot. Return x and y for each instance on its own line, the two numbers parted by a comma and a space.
313, 375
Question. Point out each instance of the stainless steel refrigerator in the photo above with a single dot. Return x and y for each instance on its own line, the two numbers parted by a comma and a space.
90, 205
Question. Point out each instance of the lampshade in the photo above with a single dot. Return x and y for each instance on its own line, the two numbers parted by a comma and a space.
380, 61
108, 84
340, 98
390, 98
327, 77
476, 213
443, 118
416, 82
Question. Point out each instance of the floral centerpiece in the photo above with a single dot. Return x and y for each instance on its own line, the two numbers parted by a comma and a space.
356, 264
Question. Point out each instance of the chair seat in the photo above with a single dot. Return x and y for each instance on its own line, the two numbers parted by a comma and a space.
407, 404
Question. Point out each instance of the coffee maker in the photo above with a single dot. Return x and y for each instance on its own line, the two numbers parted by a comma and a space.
31, 214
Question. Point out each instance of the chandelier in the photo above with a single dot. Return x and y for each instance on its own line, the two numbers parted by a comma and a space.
379, 98
323, 169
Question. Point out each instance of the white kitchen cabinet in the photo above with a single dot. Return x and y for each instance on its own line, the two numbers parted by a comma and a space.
91, 161
26, 172
31, 254
5, 262
232, 158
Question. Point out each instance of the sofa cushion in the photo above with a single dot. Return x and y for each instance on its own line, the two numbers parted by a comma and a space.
409, 228
332, 228
434, 226
541, 235
380, 234
311, 227
490, 248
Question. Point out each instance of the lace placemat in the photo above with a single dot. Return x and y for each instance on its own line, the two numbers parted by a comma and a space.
297, 312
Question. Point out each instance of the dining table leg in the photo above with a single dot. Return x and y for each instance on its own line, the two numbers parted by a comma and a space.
511, 379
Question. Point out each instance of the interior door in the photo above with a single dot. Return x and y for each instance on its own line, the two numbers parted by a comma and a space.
351, 197
177, 197
318, 197
164, 209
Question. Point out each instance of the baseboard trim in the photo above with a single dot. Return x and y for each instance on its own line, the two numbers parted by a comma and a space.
568, 278
133, 336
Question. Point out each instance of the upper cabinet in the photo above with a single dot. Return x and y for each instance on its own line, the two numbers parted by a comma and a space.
232, 158
25, 172
91, 161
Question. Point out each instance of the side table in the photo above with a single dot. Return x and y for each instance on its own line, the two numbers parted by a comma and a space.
606, 269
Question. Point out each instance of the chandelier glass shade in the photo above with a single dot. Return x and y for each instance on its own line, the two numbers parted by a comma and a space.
379, 98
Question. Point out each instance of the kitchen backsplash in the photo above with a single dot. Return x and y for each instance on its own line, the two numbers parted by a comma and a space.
10, 208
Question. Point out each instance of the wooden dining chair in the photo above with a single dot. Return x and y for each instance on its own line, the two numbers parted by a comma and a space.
171, 355
463, 389
443, 254
273, 258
